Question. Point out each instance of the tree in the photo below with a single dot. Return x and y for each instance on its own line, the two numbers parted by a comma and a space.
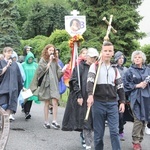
146, 50
37, 22
41, 18
8, 28
25, 8
125, 20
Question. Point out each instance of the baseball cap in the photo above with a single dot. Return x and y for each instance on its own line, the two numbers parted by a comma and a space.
92, 52
27, 47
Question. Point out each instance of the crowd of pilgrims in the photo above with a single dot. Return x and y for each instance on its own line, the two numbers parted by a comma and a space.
121, 94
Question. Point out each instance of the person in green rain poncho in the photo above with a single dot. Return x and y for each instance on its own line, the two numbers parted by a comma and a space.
29, 67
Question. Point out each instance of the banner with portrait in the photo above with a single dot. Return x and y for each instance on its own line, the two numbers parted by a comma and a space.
75, 25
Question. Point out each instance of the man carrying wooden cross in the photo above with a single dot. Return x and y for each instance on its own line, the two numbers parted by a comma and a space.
106, 82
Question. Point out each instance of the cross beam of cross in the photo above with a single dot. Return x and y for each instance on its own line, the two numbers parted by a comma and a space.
106, 38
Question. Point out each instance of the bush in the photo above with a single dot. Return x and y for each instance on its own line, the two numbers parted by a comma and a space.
37, 43
58, 36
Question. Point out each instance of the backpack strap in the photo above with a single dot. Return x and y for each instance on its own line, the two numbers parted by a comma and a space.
116, 73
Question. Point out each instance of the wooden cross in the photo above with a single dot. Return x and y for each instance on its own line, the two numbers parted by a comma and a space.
106, 38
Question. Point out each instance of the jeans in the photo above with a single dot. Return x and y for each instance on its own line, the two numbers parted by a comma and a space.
105, 111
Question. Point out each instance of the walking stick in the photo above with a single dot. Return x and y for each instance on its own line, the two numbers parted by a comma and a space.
89, 107
106, 38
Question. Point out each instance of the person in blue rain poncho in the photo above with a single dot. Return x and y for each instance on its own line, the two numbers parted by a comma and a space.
137, 86
14, 57
11, 82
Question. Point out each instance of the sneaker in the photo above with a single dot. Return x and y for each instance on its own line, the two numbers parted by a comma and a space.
137, 146
55, 125
88, 147
147, 130
47, 126
122, 137
11, 118
27, 116
82, 140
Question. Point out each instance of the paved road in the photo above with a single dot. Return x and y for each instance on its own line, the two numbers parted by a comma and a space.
31, 135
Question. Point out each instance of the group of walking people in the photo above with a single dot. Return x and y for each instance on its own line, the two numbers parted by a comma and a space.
107, 87
96, 84
42, 78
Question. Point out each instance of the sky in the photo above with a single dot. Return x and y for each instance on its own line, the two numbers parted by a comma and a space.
144, 10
